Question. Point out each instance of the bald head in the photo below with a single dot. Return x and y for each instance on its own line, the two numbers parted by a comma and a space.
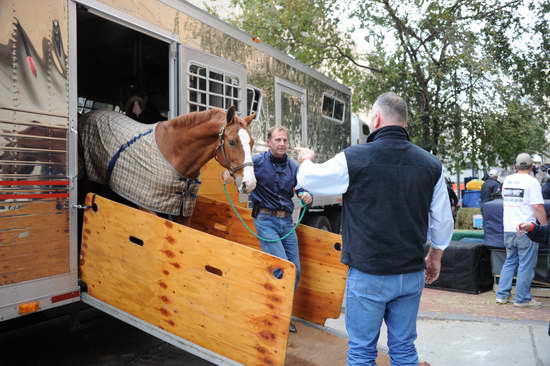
389, 109
392, 108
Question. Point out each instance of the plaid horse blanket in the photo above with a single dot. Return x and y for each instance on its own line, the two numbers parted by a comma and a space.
124, 154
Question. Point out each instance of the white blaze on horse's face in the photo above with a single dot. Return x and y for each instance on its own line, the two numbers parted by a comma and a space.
247, 182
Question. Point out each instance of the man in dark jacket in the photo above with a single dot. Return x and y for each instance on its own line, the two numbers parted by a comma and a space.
275, 175
491, 189
395, 200
546, 188
538, 233
453, 199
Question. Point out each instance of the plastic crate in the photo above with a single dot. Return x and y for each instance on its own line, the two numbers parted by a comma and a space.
471, 198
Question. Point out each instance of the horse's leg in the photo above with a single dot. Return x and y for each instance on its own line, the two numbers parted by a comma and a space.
183, 220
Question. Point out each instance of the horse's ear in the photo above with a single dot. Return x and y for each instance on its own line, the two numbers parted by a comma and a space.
230, 114
248, 119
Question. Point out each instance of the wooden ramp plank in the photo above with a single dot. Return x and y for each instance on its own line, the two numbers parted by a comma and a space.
321, 289
213, 292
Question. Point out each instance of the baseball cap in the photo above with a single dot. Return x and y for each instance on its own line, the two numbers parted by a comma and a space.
493, 172
524, 160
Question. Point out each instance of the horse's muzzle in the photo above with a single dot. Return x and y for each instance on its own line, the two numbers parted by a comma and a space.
247, 188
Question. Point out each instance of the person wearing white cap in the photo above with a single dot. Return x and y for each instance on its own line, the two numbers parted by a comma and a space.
491, 188
522, 202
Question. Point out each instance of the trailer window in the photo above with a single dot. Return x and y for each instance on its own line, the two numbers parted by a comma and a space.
253, 100
333, 108
210, 88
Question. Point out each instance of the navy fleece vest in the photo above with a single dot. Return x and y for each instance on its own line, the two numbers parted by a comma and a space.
386, 206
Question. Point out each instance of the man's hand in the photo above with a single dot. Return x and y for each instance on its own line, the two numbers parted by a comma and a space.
306, 197
305, 154
433, 265
227, 178
525, 227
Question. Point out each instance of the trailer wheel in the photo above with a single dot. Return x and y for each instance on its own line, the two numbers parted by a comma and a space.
319, 222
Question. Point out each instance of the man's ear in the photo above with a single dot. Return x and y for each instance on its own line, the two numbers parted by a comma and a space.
377, 120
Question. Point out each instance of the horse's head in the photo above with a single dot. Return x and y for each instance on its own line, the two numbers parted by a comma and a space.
234, 151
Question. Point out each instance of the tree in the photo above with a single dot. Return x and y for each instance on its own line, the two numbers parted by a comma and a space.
474, 72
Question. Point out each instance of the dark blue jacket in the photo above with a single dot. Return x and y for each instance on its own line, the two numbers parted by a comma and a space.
490, 190
387, 204
541, 234
546, 190
276, 179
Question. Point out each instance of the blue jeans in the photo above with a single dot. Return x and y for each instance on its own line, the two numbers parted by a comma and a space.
373, 298
272, 227
521, 255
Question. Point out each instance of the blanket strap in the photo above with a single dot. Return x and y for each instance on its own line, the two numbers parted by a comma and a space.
120, 150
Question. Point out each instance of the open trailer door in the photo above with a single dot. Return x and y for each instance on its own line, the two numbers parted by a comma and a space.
207, 295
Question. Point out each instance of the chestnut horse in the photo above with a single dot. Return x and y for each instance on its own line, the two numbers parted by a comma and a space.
156, 167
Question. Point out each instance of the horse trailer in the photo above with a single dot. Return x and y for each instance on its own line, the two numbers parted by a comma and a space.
155, 59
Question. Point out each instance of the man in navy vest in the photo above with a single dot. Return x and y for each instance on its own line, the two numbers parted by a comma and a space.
395, 201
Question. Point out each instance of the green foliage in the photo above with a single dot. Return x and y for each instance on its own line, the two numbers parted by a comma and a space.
475, 73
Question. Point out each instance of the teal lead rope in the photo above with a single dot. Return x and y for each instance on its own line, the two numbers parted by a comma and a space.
304, 209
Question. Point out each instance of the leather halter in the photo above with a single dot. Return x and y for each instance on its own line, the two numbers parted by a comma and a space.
226, 163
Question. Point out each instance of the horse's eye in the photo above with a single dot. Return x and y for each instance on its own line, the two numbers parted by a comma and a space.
232, 142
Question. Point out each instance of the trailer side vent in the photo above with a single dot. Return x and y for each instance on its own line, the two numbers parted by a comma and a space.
136, 241
214, 270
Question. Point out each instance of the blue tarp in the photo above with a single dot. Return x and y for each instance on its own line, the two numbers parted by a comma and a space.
492, 223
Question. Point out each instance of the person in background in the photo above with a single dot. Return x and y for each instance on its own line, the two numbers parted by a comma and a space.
546, 187
522, 202
453, 199
491, 189
537, 233
394, 201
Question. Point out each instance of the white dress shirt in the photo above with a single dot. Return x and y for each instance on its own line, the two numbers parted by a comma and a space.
331, 177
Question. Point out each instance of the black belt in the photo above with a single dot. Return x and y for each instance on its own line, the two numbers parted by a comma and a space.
277, 213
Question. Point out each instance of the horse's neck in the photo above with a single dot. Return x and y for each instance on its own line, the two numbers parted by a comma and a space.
186, 147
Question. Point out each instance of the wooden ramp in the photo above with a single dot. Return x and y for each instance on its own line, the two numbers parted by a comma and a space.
321, 289
213, 292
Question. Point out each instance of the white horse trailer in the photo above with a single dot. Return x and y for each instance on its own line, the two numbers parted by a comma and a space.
60, 58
